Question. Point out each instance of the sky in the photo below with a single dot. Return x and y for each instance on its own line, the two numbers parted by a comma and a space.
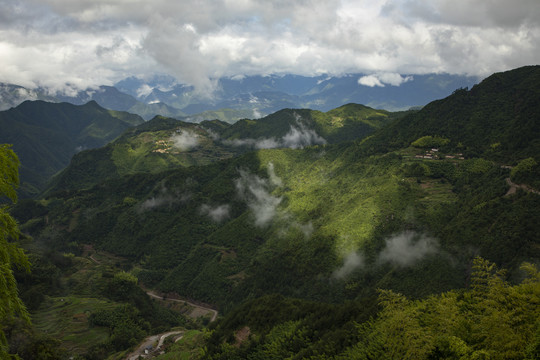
76, 44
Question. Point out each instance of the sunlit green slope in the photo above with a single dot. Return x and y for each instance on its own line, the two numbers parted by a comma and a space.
165, 143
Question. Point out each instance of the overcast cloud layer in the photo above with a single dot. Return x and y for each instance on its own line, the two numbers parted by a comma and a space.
89, 42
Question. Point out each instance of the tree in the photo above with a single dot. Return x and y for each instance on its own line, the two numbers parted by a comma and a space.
11, 255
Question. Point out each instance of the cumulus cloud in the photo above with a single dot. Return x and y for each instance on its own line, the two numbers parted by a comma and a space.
370, 80
217, 213
89, 43
407, 248
256, 192
185, 140
351, 262
393, 79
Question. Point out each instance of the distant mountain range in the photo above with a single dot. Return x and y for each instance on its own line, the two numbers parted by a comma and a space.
250, 96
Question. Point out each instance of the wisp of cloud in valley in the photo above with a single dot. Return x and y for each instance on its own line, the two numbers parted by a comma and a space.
216, 213
407, 248
351, 262
185, 140
256, 192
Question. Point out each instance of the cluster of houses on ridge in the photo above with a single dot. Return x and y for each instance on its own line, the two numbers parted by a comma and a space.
434, 154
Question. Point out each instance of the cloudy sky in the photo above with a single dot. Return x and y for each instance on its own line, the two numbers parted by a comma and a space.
93, 42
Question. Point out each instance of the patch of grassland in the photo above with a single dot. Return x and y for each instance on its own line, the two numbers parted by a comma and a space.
187, 348
66, 319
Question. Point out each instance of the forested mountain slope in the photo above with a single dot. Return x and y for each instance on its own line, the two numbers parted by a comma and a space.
46, 135
496, 119
165, 143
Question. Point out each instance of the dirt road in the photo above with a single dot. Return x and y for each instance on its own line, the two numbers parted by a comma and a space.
205, 309
514, 187
149, 342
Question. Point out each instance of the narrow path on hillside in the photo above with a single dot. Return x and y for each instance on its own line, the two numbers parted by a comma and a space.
213, 311
514, 187
160, 338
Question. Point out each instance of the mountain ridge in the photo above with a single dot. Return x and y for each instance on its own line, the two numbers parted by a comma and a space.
46, 135
163, 143
249, 97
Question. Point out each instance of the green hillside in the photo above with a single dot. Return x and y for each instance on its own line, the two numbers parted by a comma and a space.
157, 145
46, 135
346, 123
165, 143
387, 246
496, 119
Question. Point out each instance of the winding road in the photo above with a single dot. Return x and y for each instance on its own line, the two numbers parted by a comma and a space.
214, 312
514, 187
160, 338
149, 342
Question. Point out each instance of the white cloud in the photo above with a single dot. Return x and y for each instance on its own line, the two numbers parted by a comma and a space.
256, 192
351, 262
157, 201
301, 136
274, 179
381, 79
217, 213
298, 137
89, 43
185, 140
144, 90
407, 248
370, 80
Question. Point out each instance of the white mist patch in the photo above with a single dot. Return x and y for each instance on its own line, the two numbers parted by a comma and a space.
211, 133
265, 143
298, 137
407, 248
256, 192
370, 80
218, 213
185, 140
25, 94
165, 197
157, 201
274, 179
257, 114
307, 229
144, 90
351, 262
